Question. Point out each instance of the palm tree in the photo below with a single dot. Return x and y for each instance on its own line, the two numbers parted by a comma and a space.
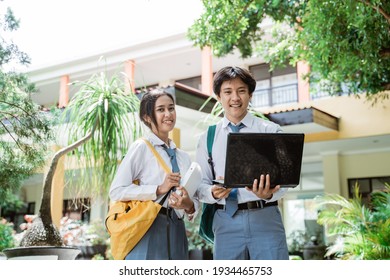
105, 117
364, 232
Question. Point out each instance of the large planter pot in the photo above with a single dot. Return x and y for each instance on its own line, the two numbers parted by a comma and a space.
42, 253
87, 252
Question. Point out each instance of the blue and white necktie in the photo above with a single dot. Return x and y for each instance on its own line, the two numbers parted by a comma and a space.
172, 155
231, 200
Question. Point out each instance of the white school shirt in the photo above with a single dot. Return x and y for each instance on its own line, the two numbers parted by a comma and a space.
140, 163
252, 124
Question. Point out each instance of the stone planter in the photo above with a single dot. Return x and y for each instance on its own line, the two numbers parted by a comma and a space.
87, 252
42, 253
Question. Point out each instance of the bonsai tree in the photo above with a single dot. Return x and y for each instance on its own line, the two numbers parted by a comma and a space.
364, 232
103, 119
24, 129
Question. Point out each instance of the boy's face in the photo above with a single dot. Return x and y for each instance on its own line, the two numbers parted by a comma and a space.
235, 98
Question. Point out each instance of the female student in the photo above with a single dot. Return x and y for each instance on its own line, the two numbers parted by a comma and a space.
166, 238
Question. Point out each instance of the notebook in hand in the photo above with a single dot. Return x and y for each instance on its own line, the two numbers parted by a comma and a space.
192, 179
248, 155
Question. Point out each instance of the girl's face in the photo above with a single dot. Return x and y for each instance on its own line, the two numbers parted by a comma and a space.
165, 114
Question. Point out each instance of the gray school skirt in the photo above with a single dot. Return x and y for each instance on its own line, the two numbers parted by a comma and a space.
155, 243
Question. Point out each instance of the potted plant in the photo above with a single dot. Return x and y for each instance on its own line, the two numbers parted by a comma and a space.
102, 117
363, 232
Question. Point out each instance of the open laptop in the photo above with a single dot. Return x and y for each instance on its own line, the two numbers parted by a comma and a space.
248, 155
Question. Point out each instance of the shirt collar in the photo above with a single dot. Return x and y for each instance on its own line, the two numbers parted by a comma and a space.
158, 142
248, 120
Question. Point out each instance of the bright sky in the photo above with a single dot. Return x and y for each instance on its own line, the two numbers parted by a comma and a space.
54, 31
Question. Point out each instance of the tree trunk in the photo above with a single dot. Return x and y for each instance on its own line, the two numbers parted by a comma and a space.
43, 232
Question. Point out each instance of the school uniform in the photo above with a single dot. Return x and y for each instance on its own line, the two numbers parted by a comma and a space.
140, 163
256, 230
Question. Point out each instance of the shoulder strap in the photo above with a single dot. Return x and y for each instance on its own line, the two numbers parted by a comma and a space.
157, 155
210, 142
210, 138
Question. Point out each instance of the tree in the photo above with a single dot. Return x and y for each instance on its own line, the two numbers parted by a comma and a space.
344, 42
100, 124
24, 129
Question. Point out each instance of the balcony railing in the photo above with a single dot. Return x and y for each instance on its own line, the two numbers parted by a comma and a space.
275, 95
323, 94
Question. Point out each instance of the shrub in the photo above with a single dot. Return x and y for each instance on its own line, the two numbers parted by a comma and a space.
6, 235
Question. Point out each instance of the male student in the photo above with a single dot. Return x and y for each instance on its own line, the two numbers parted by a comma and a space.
255, 230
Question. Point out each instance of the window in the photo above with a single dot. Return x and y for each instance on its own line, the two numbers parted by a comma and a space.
367, 186
194, 82
279, 86
77, 209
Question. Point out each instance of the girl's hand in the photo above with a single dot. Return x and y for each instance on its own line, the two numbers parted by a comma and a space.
171, 180
180, 200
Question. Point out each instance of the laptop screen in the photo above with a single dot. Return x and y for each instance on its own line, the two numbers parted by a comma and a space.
249, 155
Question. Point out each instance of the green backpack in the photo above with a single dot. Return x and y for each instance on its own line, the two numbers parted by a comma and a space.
206, 221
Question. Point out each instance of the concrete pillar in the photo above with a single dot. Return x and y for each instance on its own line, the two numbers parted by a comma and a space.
207, 71
129, 79
64, 92
175, 136
99, 209
331, 172
57, 193
303, 84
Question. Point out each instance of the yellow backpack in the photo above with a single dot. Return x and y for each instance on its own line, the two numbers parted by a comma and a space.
128, 221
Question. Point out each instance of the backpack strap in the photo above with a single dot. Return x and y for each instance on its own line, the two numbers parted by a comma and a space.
158, 157
210, 142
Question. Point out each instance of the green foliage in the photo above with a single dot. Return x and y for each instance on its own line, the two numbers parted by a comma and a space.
364, 232
195, 241
101, 104
345, 42
6, 235
24, 129
8, 50
11, 205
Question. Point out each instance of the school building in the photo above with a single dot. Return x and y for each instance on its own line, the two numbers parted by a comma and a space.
346, 138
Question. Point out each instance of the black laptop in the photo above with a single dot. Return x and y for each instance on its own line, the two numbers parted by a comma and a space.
248, 155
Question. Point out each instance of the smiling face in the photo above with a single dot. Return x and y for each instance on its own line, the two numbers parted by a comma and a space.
165, 116
234, 97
